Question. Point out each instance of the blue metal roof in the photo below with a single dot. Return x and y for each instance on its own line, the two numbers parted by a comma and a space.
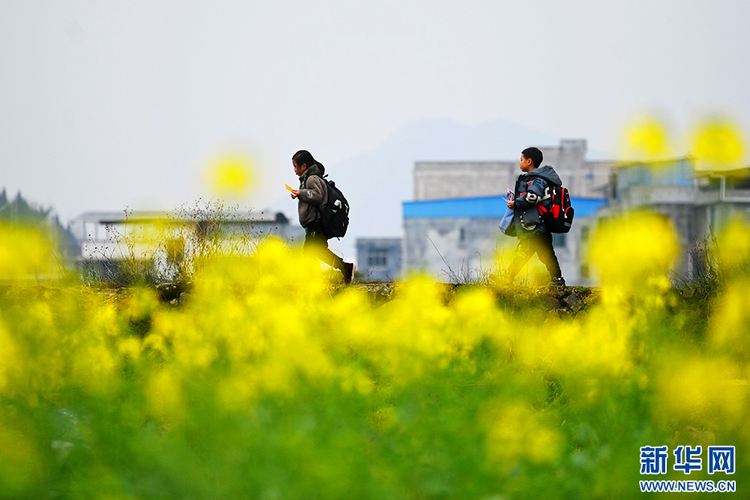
487, 206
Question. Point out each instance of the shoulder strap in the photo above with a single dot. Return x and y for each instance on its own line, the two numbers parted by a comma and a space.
325, 181
549, 182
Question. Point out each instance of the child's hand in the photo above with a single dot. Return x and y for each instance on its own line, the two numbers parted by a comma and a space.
511, 204
295, 193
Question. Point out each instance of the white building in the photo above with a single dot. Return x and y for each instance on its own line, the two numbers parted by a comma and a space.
106, 241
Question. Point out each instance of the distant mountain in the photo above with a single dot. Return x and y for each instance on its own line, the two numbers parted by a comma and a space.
378, 182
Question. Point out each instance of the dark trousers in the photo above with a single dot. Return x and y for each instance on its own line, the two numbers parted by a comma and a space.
540, 244
317, 243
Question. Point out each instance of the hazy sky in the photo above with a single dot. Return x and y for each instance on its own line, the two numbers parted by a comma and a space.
107, 104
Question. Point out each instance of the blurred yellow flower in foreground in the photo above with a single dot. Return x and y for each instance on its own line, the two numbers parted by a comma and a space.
165, 395
646, 139
20, 462
232, 175
8, 362
719, 144
689, 387
730, 324
25, 253
630, 250
600, 344
733, 244
516, 433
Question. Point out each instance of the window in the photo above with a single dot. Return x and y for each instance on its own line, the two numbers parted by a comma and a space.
378, 257
738, 182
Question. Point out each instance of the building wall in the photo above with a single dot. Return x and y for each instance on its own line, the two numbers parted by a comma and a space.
464, 249
691, 199
441, 180
379, 259
451, 249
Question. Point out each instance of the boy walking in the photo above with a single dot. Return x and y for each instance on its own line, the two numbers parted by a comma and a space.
532, 189
313, 197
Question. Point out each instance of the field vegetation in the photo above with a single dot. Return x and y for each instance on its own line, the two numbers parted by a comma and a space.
268, 380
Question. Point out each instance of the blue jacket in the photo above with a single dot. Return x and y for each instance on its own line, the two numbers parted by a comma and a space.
533, 188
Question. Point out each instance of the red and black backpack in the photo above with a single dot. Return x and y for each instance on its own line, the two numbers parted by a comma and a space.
559, 217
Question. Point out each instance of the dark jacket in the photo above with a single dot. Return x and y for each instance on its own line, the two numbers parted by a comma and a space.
313, 194
533, 188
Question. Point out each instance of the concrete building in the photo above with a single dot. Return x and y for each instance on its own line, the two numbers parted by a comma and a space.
457, 240
697, 200
379, 259
451, 227
446, 180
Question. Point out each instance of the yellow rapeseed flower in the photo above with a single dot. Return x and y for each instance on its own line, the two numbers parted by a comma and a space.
598, 345
20, 461
351, 303
130, 347
142, 303
719, 144
689, 386
515, 432
730, 324
237, 392
94, 367
164, 394
646, 139
413, 337
232, 174
25, 254
475, 315
155, 342
8, 358
355, 380
191, 345
733, 245
632, 249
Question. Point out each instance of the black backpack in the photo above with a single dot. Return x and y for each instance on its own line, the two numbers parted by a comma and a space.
334, 218
559, 217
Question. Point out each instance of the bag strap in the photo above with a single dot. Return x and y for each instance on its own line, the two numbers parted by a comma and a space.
549, 183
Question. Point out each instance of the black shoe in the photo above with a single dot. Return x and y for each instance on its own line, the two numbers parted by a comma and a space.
348, 272
558, 281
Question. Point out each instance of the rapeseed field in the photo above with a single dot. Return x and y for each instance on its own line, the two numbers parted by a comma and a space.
264, 382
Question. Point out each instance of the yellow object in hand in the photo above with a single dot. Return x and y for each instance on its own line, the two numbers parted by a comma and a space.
289, 188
